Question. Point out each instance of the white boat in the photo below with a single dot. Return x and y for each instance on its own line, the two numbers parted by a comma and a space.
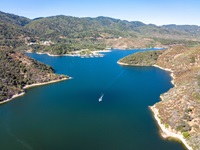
101, 98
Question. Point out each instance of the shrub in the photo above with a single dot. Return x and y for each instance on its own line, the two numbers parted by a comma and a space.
166, 125
192, 60
183, 127
186, 134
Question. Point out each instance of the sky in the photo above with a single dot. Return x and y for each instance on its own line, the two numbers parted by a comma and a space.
159, 12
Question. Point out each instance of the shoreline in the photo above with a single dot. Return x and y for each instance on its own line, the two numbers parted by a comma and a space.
13, 97
29, 86
96, 53
166, 69
165, 132
45, 83
123, 64
171, 73
168, 132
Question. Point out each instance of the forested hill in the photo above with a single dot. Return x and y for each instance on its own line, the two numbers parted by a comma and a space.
104, 27
65, 34
73, 27
12, 36
18, 70
14, 19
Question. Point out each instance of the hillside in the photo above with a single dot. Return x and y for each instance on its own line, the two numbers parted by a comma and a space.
141, 59
189, 29
12, 36
179, 109
71, 33
18, 70
73, 27
104, 27
65, 34
65, 29
14, 19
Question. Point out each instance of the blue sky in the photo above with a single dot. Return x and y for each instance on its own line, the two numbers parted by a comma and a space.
158, 12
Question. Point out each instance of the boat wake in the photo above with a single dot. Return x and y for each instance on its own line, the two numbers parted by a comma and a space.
19, 140
101, 98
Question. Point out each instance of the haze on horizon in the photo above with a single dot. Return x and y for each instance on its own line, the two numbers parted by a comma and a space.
159, 12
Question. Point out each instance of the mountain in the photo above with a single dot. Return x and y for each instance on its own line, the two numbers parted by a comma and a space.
73, 27
65, 34
12, 36
104, 27
102, 32
190, 29
14, 19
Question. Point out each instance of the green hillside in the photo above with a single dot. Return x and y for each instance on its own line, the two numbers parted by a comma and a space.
14, 19
12, 36
141, 59
65, 34
73, 27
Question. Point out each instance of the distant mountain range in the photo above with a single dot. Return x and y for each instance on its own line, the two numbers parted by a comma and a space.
66, 33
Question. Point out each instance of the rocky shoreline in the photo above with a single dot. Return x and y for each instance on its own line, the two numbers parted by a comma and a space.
178, 111
168, 132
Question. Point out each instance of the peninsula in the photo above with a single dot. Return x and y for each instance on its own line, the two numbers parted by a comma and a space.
19, 72
179, 109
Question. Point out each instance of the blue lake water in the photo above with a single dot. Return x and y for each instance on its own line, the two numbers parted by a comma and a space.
68, 116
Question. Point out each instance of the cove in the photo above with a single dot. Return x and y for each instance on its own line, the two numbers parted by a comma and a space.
68, 115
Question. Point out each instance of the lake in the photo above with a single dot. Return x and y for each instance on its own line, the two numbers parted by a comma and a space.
68, 115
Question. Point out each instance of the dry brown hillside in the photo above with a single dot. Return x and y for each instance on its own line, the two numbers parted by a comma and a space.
179, 110
180, 106
128, 43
